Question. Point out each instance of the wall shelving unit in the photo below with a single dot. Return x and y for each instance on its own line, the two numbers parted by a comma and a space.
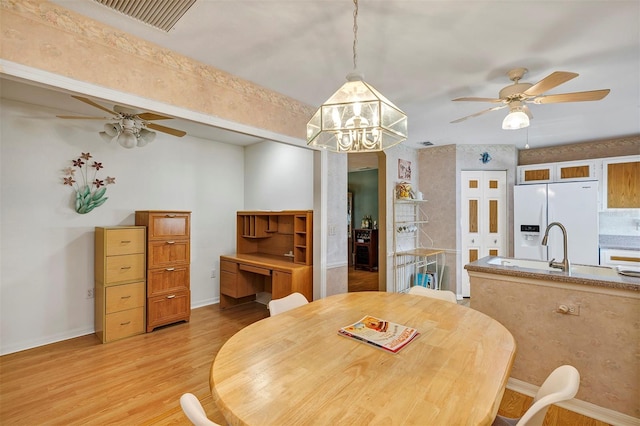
413, 263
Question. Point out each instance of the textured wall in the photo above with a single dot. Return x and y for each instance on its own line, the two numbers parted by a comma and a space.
602, 342
581, 151
46, 36
438, 183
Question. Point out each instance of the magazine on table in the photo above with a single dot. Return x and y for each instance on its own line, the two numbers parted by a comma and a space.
380, 333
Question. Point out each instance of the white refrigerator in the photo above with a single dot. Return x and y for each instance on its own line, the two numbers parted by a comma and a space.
573, 204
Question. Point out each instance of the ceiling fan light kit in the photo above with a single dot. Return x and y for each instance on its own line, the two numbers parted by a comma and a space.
356, 118
517, 117
517, 95
131, 128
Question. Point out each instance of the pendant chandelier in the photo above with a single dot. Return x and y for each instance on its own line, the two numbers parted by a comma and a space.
356, 118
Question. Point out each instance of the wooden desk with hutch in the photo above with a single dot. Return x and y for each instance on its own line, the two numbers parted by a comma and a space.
273, 254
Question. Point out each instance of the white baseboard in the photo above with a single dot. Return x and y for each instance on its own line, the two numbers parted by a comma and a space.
577, 406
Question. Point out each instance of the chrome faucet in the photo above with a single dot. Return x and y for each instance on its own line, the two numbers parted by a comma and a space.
564, 265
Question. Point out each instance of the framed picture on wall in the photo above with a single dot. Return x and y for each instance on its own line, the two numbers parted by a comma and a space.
404, 169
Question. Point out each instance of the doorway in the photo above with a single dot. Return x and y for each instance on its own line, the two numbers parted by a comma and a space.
363, 242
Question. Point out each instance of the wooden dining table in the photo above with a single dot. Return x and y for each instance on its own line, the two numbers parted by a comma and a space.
294, 368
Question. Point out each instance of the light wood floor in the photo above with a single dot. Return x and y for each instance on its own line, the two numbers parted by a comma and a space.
139, 380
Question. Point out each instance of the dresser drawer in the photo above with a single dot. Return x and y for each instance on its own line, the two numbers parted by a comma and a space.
170, 308
124, 241
124, 324
128, 267
123, 297
168, 253
167, 280
167, 225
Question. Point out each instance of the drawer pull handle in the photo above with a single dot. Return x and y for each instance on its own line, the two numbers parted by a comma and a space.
626, 258
125, 241
126, 267
171, 215
126, 297
125, 323
170, 269
171, 296
171, 242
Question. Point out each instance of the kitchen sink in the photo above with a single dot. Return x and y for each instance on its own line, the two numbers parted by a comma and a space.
543, 265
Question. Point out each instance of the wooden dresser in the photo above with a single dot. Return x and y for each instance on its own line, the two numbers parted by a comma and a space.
274, 254
168, 258
119, 282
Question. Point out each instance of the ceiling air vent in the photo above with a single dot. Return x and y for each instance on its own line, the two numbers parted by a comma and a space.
162, 14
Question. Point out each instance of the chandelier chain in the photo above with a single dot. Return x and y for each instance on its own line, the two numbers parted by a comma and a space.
355, 34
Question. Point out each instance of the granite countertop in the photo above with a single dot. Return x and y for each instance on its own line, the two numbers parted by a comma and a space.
614, 281
620, 242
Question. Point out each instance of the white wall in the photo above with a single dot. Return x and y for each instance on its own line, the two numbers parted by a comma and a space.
47, 248
278, 177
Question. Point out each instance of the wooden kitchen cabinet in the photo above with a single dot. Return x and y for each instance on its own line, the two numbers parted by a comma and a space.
565, 171
168, 266
119, 272
536, 173
621, 182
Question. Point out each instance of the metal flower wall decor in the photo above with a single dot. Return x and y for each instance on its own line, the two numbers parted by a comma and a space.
90, 192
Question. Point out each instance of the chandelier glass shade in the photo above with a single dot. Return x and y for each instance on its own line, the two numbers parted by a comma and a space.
356, 118
517, 118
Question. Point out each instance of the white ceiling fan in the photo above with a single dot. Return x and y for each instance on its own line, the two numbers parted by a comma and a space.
517, 95
131, 127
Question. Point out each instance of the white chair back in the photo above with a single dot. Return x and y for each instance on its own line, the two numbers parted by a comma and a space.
278, 306
561, 385
447, 295
194, 411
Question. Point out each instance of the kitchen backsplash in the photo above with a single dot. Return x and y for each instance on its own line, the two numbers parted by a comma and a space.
623, 222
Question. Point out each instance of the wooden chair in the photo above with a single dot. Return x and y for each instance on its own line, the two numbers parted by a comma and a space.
561, 385
446, 295
278, 306
194, 411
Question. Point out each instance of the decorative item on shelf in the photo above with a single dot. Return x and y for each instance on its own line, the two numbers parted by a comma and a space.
89, 193
404, 191
356, 118
485, 157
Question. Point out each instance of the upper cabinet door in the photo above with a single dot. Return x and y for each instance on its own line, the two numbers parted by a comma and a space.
621, 182
575, 171
536, 173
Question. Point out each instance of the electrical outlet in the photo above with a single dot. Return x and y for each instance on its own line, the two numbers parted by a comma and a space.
213, 273
90, 293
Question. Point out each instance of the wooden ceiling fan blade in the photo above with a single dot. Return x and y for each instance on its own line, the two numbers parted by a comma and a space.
478, 99
83, 118
479, 113
93, 104
150, 116
549, 82
163, 129
592, 95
